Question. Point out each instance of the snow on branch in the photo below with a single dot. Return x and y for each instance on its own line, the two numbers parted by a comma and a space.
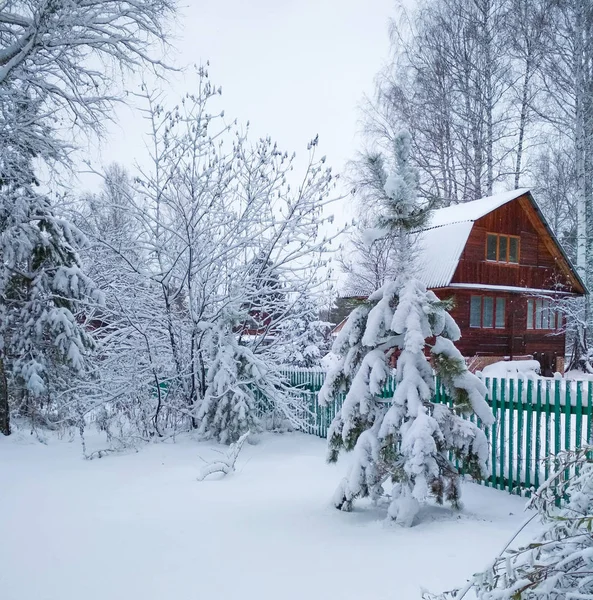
226, 464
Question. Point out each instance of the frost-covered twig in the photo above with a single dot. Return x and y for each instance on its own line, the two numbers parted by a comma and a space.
225, 465
559, 562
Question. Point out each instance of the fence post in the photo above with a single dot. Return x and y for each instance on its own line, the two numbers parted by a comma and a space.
538, 442
567, 417
579, 419
548, 447
579, 416
519, 469
511, 434
502, 438
493, 433
528, 447
557, 440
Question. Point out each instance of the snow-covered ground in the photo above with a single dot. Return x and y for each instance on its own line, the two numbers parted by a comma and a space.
139, 526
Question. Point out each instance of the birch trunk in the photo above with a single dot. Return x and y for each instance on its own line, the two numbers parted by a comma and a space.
580, 149
522, 123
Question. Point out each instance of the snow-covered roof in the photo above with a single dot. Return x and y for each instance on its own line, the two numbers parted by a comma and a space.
439, 250
441, 243
472, 211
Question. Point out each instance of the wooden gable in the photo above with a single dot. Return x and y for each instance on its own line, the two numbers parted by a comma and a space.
542, 262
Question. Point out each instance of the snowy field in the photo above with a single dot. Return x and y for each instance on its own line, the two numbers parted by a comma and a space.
139, 526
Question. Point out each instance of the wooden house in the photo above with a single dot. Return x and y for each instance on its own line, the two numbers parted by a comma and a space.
500, 262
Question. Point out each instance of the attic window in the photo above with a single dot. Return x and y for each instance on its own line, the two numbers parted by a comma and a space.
503, 248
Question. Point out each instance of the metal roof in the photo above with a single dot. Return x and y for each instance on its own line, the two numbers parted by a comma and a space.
439, 250
472, 211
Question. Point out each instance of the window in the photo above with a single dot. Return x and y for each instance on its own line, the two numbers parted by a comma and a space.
475, 311
513, 249
541, 314
500, 313
503, 248
487, 312
492, 247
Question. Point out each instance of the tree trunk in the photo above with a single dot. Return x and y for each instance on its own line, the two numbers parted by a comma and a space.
523, 121
579, 356
488, 35
4, 407
580, 149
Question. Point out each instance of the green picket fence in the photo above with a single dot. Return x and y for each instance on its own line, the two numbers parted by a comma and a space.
535, 420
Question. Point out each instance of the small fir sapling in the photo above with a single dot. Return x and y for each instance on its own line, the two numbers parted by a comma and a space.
406, 438
303, 337
235, 375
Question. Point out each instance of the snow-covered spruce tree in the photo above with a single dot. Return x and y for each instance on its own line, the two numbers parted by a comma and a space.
234, 379
304, 335
41, 284
57, 72
409, 440
243, 382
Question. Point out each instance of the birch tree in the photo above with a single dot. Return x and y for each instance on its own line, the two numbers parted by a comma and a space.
567, 81
449, 83
567, 86
530, 24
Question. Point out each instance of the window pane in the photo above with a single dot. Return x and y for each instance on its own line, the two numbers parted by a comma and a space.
491, 247
545, 314
514, 250
529, 314
475, 311
500, 313
558, 320
503, 240
488, 316
552, 318
538, 313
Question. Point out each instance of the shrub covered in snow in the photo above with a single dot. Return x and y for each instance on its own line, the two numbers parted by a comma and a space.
558, 564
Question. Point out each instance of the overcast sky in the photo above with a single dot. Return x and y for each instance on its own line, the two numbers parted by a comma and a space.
293, 68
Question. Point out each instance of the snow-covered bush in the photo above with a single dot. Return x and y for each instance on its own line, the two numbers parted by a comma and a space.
409, 440
220, 259
304, 337
558, 563
512, 368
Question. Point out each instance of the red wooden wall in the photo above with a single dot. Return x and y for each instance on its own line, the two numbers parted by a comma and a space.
514, 340
538, 268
